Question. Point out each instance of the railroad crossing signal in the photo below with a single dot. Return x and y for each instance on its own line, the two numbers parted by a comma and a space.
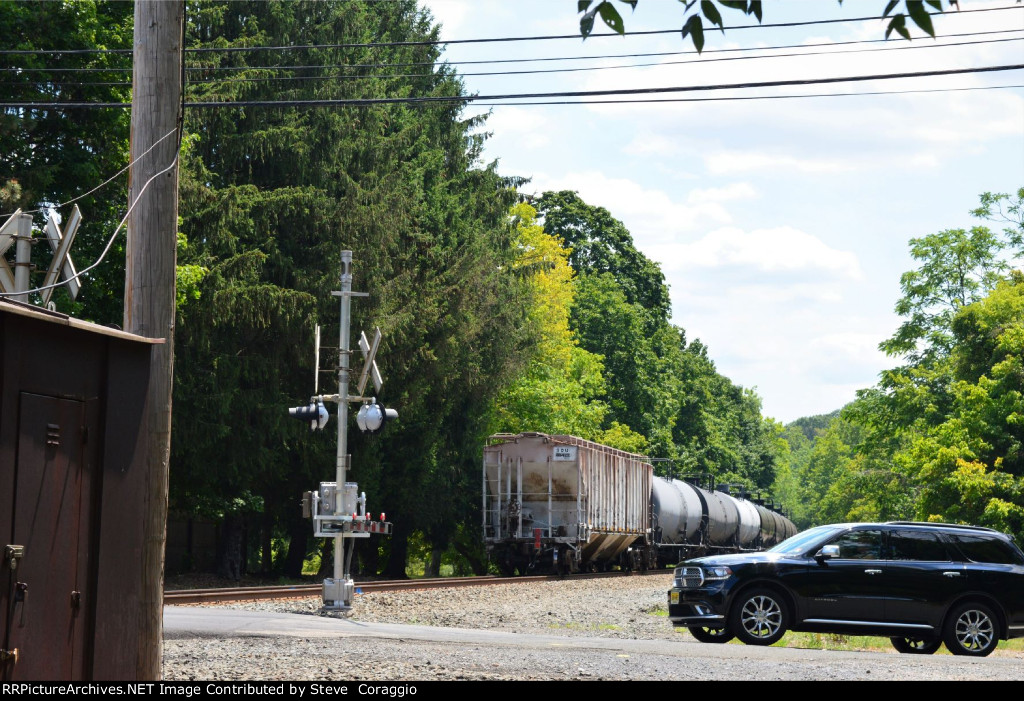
18, 230
61, 263
369, 365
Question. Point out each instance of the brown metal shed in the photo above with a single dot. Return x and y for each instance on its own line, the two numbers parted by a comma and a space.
72, 477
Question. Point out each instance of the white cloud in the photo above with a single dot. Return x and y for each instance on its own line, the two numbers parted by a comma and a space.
781, 249
652, 215
728, 162
530, 128
735, 191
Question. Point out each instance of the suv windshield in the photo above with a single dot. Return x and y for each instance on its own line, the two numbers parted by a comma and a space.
803, 541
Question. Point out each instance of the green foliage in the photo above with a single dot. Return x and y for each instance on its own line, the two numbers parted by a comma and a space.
269, 199
599, 243
941, 438
695, 14
560, 388
957, 268
662, 389
48, 157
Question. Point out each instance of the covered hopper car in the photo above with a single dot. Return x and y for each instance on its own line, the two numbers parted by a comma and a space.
554, 503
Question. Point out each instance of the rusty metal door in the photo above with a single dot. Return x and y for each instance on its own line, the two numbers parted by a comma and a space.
41, 612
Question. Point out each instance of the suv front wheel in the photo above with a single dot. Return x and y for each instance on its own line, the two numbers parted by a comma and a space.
971, 629
758, 617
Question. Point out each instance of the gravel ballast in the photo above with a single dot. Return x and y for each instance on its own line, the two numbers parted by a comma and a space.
621, 608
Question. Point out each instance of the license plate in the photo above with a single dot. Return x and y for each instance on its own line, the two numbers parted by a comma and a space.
673, 597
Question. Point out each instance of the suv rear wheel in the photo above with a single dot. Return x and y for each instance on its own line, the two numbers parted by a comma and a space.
711, 635
971, 629
758, 617
916, 646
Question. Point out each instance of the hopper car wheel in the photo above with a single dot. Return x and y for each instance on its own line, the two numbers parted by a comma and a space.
572, 560
506, 567
711, 635
758, 617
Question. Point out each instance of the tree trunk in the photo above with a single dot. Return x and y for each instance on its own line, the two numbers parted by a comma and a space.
229, 548
266, 542
326, 559
298, 540
433, 566
476, 562
369, 556
395, 568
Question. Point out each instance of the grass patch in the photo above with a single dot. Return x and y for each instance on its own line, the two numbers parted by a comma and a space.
854, 643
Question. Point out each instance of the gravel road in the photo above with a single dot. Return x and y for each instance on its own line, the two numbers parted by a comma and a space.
628, 639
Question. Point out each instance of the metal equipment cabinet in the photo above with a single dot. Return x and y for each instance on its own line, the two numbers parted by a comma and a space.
72, 463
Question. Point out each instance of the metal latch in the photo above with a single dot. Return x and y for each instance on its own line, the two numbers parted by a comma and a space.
9, 656
13, 553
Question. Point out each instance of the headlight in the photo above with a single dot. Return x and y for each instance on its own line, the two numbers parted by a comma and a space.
717, 573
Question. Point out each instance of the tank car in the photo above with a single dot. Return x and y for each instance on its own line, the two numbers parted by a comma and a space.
689, 520
555, 503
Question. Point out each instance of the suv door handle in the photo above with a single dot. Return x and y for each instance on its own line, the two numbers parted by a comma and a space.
872, 571
950, 574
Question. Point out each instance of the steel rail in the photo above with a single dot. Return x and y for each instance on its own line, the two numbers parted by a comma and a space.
298, 591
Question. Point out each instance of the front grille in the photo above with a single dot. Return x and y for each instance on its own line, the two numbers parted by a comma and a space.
690, 577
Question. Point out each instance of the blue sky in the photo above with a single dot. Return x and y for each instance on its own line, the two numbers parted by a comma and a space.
781, 225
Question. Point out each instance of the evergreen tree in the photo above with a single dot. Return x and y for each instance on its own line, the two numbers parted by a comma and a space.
271, 196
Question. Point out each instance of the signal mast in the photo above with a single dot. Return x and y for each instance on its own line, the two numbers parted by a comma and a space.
337, 508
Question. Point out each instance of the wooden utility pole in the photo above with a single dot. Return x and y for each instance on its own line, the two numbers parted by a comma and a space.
149, 291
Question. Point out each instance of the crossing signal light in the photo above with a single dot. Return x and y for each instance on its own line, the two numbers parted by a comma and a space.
316, 414
372, 417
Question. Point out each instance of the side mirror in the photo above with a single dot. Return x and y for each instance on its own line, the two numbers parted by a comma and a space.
827, 553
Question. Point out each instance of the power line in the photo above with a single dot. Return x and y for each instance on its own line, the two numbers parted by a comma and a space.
108, 180
592, 58
524, 96
806, 23
742, 98
113, 236
437, 42
589, 68
826, 44
529, 72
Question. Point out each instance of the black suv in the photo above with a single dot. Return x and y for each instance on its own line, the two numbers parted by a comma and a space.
921, 584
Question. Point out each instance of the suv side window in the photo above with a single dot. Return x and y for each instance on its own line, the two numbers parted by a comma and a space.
860, 545
917, 545
979, 548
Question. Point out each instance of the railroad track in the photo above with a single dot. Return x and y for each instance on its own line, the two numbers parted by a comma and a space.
299, 591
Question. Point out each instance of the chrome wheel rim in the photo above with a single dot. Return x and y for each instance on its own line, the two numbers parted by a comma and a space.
974, 630
761, 617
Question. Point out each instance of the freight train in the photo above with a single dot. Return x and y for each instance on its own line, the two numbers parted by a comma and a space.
562, 504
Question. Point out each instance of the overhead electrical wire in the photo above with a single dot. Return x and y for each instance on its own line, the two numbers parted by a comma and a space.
110, 242
528, 72
108, 180
523, 96
745, 97
806, 23
587, 68
823, 44
439, 42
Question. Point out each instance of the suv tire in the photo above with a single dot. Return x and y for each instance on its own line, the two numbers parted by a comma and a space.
759, 617
711, 635
971, 629
916, 646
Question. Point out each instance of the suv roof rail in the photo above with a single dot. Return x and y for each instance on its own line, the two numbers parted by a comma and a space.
941, 525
